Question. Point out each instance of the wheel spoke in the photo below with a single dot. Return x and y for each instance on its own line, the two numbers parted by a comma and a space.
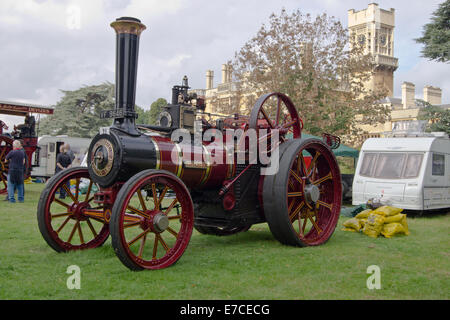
161, 197
61, 203
296, 177
137, 211
58, 215
73, 231
77, 188
294, 194
296, 211
80, 233
174, 202
155, 200
88, 190
172, 232
141, 200
155, 247
324, 204
267, 117
325, 178
138, 237
314, 224
313, 163
164, 244
277, 119
141, 247
64, 186
62, 225
89, 223
303, 164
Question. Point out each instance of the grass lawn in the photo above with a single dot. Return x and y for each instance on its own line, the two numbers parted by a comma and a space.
250, 265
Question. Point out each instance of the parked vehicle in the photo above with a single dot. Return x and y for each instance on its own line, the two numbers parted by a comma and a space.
44, 159
412, 173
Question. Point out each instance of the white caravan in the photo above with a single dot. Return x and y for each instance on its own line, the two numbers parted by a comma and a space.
44, 159
411, 173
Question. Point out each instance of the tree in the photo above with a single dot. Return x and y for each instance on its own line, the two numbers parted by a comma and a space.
438, 118
309, 59
143, 115
77, 114
436, 35
155, 110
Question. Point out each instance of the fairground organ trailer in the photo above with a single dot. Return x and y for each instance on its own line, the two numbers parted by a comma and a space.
142, 188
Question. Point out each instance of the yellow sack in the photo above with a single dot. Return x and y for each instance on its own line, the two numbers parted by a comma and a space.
348, 229
373, 225
363, 214
391, 229
352, 223
363, 222
387, 211
396, 218
404, 223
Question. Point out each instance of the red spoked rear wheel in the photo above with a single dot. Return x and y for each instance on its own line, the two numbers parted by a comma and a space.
5, 147
72, 222
152, 220
302, 202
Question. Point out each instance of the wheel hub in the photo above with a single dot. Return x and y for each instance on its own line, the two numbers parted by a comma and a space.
312, 193
77, 210
160, 222
156, 221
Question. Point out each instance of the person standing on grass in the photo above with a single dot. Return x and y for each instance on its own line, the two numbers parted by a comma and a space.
69, 152
63, 161
16, 159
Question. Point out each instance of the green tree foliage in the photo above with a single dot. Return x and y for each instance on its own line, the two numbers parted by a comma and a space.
438, 117
155, 110
436, 35
143, 115
309, 59
77, 114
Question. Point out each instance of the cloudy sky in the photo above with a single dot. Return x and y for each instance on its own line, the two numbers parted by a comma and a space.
53, 45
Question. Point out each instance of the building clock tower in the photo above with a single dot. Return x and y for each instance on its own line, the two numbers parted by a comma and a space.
374, 29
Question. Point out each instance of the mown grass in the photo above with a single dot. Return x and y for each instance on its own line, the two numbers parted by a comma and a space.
250, 265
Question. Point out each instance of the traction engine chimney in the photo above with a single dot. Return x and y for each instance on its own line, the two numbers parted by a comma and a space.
128, 31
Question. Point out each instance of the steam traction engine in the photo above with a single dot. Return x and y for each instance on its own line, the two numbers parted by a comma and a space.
142, 186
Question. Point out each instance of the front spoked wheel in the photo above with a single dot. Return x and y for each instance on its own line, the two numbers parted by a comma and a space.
67, 216
152, 220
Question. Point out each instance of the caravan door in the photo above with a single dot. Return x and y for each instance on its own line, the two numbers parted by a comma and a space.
51, 158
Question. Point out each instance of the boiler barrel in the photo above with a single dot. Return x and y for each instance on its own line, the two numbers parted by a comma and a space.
117, 156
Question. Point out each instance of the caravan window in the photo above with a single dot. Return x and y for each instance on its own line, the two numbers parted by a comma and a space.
368, 164
438, 168
413, 164
389, 165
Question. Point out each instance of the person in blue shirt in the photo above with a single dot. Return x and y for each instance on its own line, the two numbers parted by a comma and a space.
16, 159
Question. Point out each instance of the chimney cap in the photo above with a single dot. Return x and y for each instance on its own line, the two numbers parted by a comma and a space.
128, 19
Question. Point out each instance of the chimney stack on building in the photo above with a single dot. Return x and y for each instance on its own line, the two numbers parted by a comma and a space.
408, 94
226, 73
209, 79
432, 95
